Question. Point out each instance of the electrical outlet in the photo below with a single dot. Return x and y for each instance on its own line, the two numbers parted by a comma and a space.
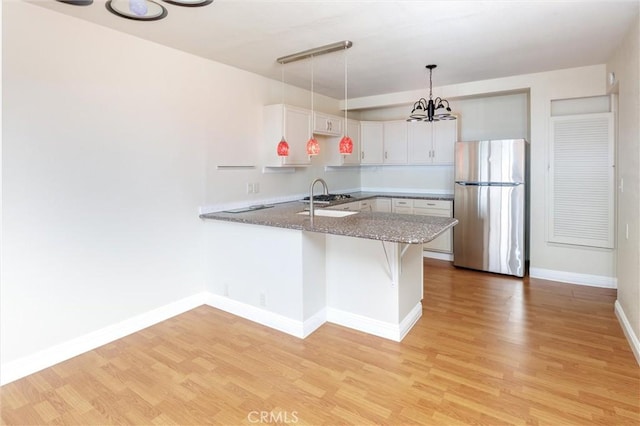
263, 299
249, 188
256, 187
627, 231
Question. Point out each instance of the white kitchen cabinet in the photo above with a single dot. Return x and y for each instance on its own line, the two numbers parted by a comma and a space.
402, 205
445, 135
297, 129
395, 142
432, 143
382, 205
419, 142
383, 142
442, 208
325, 124
367, 205
352, 206
371, 142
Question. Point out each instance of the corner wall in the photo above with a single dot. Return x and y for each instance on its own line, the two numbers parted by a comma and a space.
625, 63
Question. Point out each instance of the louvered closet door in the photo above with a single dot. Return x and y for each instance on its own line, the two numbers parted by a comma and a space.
580, 182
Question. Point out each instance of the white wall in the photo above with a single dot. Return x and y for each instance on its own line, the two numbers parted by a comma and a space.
102, 177
625, 63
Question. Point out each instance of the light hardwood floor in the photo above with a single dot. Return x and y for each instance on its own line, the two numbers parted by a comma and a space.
488, 349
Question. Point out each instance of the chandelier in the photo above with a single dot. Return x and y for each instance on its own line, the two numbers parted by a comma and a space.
433, 109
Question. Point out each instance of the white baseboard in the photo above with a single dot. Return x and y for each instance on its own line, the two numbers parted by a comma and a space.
258, 315
30, 364
437, 255
574, 278
378, 328
628, 331
312, 324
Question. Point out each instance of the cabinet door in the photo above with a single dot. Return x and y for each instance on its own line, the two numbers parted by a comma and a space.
395, 142
442, 208
325, 124
353, 130
445, 134
382, 205
371, 142
297, 129
419, 142
366, 205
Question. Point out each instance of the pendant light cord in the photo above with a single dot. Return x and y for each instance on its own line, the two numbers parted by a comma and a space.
346, 102
282, 77
430, 84
312, 87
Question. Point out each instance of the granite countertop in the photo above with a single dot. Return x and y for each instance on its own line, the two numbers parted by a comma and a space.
393, 227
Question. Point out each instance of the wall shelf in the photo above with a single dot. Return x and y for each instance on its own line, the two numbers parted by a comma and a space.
340, 168
285, 168
235, 167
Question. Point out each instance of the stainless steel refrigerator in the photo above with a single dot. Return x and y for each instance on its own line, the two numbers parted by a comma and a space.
490, 203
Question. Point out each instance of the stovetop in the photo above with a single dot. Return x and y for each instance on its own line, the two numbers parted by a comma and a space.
326, 199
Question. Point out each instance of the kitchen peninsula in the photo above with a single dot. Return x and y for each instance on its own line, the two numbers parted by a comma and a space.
363, 270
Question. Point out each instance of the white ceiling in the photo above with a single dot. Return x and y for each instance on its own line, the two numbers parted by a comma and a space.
392, 40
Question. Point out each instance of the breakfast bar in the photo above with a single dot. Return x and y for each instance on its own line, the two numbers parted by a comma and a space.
362, 270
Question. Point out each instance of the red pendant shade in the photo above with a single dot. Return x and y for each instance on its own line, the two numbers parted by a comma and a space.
313, 147
283, 148
346, 145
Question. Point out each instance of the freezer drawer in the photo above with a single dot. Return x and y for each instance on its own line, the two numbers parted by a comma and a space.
490, 234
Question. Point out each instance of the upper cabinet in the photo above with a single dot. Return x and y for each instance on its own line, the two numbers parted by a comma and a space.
325, 124
383, 142
371, 142
432, 142
297, 129
395, 142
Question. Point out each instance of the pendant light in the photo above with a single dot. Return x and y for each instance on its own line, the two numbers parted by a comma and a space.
313, 147
346, 143
283, 146
432, 110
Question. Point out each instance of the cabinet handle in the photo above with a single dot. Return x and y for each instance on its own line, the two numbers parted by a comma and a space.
362, 155
386, 155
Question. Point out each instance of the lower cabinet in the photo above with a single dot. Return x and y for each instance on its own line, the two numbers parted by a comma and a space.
443, 208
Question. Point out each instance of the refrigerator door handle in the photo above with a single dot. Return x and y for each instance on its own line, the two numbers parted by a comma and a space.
489, 183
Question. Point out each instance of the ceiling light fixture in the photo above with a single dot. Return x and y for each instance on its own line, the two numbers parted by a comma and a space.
313, 147
432, 110
346, 143
316, 51
140, 10
283, 146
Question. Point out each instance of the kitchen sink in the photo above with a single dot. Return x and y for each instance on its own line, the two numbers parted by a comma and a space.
329, 213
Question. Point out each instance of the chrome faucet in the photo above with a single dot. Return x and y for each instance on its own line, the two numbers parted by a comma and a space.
326, 192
